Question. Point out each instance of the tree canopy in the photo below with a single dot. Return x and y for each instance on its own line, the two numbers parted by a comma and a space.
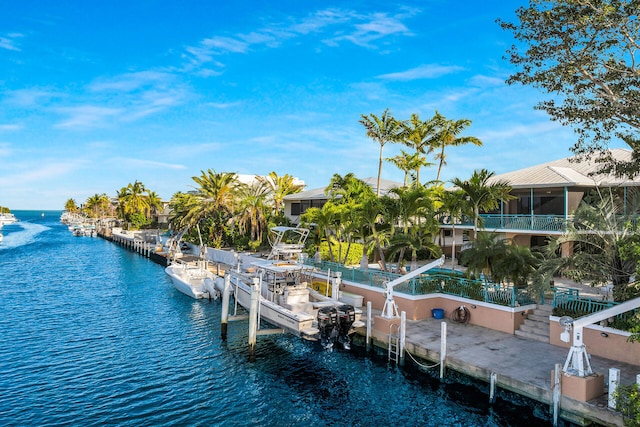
582, 53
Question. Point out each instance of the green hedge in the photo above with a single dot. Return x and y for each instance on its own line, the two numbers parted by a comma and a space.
353, 258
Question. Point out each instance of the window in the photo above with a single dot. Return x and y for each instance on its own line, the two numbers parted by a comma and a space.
295, 208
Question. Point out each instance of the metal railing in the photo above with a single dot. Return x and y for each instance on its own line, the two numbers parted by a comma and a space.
435, 281
569, 300
553, 223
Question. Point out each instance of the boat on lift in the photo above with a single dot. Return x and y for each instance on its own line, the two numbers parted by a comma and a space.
287, 300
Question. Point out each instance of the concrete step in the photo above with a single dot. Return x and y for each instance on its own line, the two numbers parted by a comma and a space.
535, 328
540, 309
538, 317
532, 336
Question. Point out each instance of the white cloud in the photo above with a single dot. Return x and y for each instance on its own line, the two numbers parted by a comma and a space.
347, 25
10, 127
87, 116
427, 71
225, 44
135, 163
9, 42
379, 25
224, 105
39, 172
30, 97
131, 81
487, 81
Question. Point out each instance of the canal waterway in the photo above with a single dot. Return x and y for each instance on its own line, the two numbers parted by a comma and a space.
92, 334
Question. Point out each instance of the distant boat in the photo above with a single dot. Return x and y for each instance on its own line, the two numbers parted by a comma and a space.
7, 218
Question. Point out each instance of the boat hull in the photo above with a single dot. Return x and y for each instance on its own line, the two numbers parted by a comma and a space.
193, 281
299, 324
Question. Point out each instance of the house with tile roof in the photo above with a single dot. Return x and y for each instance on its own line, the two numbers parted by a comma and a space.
546, 197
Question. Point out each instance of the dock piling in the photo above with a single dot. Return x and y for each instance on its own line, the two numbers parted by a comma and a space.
614, 382
253, 315
492, 387
556, 393
443, 347
225, 307
368, 338
403, 331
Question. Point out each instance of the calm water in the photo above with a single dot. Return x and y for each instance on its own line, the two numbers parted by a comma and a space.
92, 334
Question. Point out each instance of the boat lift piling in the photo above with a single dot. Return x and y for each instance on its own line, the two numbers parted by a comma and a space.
225, 306
335, 289
253, 315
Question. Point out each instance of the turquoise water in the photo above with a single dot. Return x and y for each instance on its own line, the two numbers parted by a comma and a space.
92, 334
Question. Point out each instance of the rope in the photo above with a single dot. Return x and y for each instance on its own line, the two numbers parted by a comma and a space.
420, 364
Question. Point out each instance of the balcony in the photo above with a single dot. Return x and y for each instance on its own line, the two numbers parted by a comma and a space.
533, 223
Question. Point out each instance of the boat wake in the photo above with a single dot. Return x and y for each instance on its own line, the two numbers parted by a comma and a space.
27, 235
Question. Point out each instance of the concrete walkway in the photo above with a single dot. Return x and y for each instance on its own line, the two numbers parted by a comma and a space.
522, 365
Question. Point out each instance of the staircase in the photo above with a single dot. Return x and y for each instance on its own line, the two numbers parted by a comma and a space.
536, 325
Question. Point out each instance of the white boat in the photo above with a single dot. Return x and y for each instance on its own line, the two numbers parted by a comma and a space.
7, 218
193, 278
287, 300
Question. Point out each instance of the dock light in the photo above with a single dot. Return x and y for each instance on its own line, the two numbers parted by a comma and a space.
604, 334
566, 322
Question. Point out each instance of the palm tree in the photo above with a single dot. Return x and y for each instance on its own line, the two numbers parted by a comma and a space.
381, 129
454, 206
155, 203
347, 193
280, 187
70, 205
132, 200
252, 209
214, 200
97, 205
416, 220
482, 194
409, 162
485, 255
325, 219
448, 136
419, 135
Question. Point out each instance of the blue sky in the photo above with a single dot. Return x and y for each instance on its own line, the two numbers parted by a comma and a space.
96, 95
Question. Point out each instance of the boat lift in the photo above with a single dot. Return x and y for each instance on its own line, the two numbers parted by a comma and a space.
577, 362
390, 309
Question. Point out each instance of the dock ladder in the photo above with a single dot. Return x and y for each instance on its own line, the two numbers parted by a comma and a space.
394, 342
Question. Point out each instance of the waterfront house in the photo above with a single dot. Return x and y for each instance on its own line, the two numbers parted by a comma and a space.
296, 204
546, 197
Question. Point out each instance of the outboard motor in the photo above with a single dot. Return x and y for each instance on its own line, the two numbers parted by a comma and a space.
346, 317
328, 325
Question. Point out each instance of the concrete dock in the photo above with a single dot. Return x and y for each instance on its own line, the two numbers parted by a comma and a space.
522, 365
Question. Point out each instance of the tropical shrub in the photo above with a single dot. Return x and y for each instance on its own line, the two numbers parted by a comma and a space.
628, 403
139, 220
352, 258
